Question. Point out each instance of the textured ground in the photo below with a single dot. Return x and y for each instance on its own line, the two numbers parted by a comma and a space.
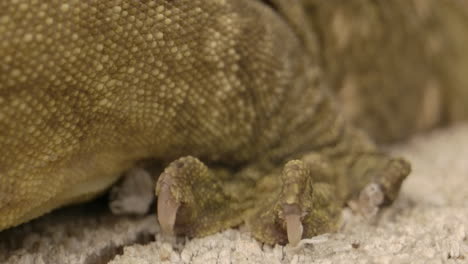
428, 224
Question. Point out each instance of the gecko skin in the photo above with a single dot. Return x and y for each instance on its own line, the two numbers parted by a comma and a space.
263, 112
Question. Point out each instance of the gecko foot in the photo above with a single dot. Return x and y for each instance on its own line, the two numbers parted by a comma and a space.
303, 200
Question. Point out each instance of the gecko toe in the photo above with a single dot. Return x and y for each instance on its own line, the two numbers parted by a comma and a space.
192, 201
301, 207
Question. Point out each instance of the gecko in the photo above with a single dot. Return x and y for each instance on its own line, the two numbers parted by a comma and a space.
271, 113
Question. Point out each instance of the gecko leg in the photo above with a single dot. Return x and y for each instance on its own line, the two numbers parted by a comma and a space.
195, 201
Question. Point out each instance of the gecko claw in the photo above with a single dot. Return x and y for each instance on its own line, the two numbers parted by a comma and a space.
294, 229
167, 209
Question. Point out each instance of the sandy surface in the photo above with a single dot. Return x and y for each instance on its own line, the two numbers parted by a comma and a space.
428, 224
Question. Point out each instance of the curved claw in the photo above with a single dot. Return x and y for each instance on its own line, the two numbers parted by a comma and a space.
167, 209
370, 200
372, 194
294, 228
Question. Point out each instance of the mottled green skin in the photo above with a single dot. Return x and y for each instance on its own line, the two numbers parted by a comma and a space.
89, 88
398, 67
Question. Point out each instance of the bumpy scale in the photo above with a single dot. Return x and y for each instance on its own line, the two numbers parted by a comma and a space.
230, 96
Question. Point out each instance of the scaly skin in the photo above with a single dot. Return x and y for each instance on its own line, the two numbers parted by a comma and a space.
254, 89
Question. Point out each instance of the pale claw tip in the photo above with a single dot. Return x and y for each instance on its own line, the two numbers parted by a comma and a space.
294, 229
167, 210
